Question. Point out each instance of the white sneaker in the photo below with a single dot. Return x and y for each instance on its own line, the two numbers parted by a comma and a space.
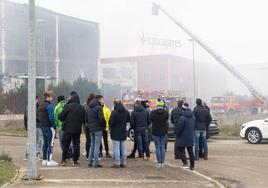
185, 166
159, 165
162, 165
52, 163
44, 163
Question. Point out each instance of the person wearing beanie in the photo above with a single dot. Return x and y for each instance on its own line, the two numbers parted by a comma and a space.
58, 109
184, 136
140, 121
159, 119
176, 113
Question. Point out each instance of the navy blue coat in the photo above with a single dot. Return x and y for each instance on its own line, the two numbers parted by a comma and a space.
140, 118
185, 130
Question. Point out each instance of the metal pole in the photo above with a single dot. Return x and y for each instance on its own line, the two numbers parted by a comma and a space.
32, 165
57, 59
194, 74
3, 56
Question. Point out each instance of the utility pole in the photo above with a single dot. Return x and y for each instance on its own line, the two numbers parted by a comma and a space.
195, 92
57, 58
3, 56
32, 165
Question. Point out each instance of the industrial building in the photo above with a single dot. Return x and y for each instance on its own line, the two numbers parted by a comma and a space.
66, 47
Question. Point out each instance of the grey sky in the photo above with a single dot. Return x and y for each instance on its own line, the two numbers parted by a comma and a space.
236, 29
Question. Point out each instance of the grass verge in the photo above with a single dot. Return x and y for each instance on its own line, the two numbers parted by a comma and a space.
7, 169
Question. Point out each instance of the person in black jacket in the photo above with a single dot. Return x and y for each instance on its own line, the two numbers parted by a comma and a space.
86, 129
202, 120
39, 134
159, 118
185, 136
45, 116
72, 116
140, 121
176, 113
118, 126
96, 124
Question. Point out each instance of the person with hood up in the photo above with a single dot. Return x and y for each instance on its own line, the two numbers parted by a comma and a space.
72, 116
176, 113
58, 109
118, 126
86, 129
96, 124
159, 118
140, 121
185, 136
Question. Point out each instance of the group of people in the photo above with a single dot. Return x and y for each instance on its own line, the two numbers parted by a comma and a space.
69, 117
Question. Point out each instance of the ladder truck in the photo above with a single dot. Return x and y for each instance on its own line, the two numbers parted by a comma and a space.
155, 10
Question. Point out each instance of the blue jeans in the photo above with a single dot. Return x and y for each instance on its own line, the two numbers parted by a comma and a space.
142, 143
94, 151
39, 140
47, 146
160, 143
201, 135
120, 152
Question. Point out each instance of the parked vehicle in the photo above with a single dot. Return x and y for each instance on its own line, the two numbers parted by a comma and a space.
255, 131
213, 130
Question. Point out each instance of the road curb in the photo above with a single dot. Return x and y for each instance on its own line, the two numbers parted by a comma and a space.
199, 174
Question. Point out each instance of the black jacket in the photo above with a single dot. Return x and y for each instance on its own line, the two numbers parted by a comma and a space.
176, 113
140, 118
73, 115
202, 118
25, 118
159, 118
185, 130
118, 123
94, 116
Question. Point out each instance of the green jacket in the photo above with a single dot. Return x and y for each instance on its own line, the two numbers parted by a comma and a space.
57, 111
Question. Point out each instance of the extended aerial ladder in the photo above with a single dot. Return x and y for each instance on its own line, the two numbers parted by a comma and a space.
216, 56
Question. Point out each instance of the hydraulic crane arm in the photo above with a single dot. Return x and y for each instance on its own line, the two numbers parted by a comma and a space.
216, 56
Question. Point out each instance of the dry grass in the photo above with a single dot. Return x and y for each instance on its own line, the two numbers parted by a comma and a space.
12, 127
230, 125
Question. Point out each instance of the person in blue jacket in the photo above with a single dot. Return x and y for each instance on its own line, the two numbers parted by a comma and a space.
47, 123
185, 136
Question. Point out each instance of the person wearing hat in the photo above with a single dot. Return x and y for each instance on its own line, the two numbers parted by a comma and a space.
140, 121
176, 113
58, 109
185, 136
159, 119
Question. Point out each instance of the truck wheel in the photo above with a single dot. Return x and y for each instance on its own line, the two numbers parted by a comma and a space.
131, 134
254, 111
254, 136
230, 112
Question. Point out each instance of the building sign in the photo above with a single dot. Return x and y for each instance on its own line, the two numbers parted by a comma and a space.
160, 42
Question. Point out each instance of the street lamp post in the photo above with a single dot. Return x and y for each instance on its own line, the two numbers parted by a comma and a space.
32, 165
194, 73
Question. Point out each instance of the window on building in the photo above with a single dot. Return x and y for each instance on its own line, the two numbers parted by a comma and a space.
146, 76
161, 77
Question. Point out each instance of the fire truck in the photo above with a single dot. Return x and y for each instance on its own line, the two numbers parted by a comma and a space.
236, 104
170, 97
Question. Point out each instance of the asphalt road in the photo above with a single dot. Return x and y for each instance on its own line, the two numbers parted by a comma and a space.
233, 163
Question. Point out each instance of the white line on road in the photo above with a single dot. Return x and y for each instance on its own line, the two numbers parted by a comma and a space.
57, 168
199, 174
113, 181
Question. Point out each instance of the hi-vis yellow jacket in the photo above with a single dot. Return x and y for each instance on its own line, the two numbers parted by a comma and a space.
107, 114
